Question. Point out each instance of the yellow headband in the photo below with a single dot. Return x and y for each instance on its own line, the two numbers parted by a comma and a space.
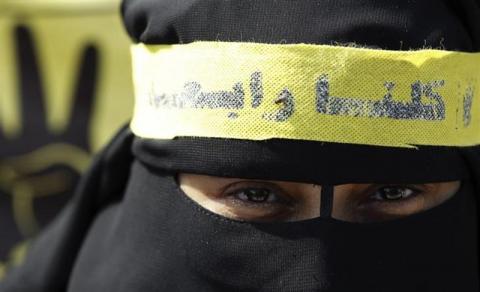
307, 92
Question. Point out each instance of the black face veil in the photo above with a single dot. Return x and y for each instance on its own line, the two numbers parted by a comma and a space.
131, 228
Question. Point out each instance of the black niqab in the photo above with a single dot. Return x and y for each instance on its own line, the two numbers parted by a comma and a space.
147, 235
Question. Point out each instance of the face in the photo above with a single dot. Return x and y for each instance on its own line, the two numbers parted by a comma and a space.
270, 201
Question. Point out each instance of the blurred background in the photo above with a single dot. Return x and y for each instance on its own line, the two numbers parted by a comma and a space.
65, 89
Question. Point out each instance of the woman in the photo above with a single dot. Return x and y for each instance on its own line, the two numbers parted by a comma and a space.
266, 159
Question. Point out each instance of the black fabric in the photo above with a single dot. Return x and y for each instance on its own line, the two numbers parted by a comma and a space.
326, 201
394, 24
157, 239
152, 237
149, 236
303, 161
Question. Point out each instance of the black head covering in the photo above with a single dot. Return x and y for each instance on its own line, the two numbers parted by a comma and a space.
149, 236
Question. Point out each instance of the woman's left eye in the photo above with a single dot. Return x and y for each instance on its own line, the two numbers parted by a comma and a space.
394, 193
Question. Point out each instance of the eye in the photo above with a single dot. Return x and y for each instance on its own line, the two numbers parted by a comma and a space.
258, 201
385, 202
254, 195
394, 193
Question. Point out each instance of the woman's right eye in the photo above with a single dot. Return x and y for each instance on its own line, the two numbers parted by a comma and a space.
253, 201
257, 195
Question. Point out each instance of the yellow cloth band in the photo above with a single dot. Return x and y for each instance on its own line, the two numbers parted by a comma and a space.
307, 92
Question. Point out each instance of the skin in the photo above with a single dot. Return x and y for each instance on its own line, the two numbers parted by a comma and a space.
273, 201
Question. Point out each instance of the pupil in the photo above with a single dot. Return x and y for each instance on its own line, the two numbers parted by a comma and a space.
258, 195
